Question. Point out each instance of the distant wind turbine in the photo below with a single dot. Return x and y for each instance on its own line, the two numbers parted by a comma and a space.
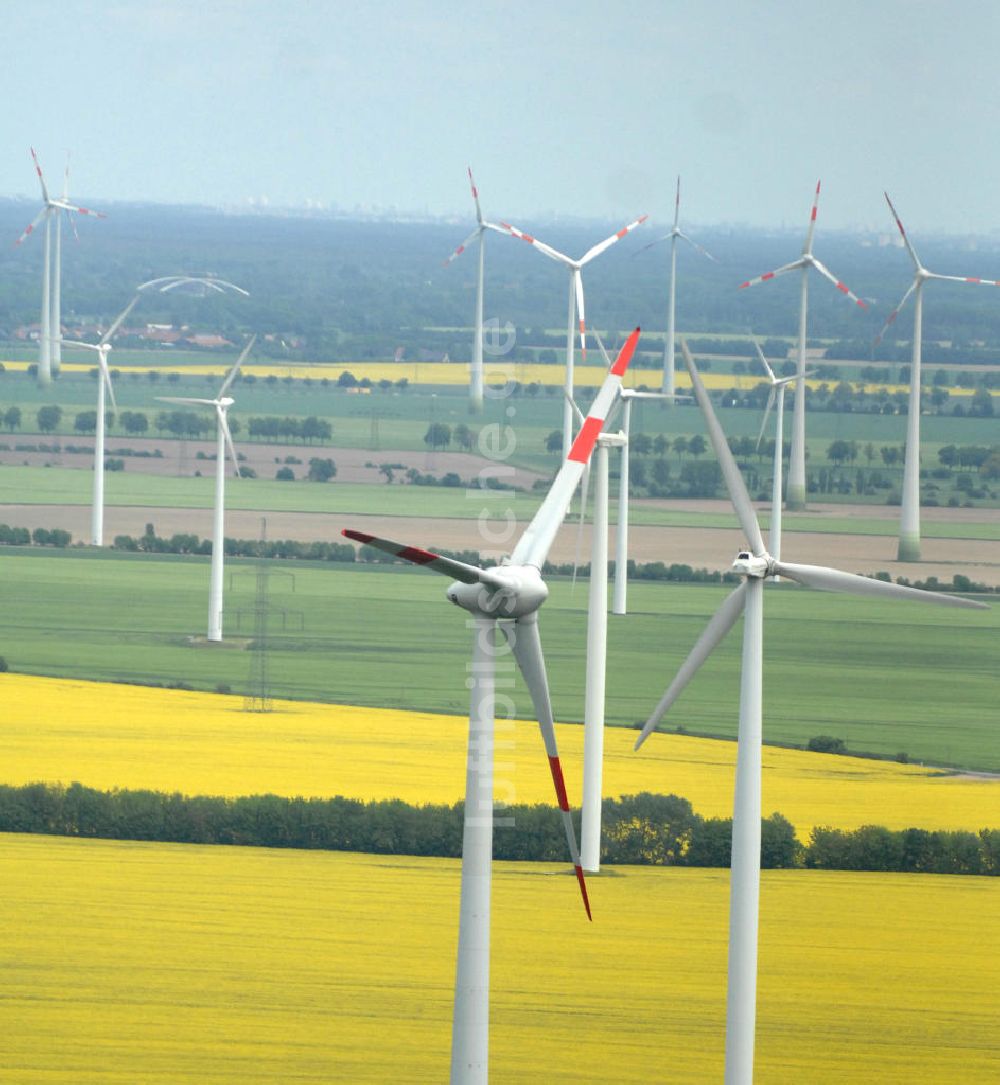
754, 565
51, 322
668, 352
576, 305
101, 348
909, 520
224, 441
796, 495
478, 234
776, 394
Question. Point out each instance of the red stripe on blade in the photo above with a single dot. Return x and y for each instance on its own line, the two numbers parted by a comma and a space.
843, 289
583, 889
557, 779
973, 280
625, 355
769, 275
357, 536
586, 439
417, 556
743, 286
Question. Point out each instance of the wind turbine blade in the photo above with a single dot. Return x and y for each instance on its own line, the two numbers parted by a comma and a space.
65, 191
224, 426
763, 361
808, 248
185, 401
826, 579
963, 279
475, 196
824, 270
581, 315
906, 241
533, 546
795, 265
465, 244
41, 179
82, 210
551, 253
891, 319
119, 320
602, 246
527, 648
231, 376
718, 626
730, 472
659, 240
457, 570
72, 223
698, 248
767, 411
34, 222
677, 205
102, 361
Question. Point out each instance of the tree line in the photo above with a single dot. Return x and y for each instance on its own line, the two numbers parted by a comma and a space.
644, 829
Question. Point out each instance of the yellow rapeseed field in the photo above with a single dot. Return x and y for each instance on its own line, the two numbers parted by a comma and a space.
107, 735
457, 373
181, 965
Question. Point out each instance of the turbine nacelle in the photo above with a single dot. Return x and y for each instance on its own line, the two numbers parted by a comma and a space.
757, 566
513, 591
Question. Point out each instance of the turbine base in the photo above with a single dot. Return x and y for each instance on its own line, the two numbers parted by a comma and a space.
909, 548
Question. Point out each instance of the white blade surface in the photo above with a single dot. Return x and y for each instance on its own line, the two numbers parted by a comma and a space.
730, 472
527, 648
437, 563
534, 545
826, 579
891, 319
465, 244
231, 376
718, 626
551, 253
179, 399
698, 248
475, 196
906, 241
807, 248
117, 322
603, 246
31, 227
224, 426
842, 287
795, 265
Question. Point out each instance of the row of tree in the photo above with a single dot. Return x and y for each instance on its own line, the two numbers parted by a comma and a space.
644, 829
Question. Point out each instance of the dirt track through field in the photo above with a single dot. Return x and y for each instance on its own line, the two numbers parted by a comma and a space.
711, 548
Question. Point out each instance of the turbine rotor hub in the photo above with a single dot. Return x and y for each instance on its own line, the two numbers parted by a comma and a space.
757, 566
521, 591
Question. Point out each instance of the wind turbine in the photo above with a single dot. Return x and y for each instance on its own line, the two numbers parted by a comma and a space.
796, 496
627, 396
909, 519
776, 394
754, 565
675, 233
50, 330
101, 348
576, 304
478, 234
224, 440
507, 598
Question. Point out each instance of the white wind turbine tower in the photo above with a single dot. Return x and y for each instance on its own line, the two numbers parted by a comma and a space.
576, 304
909, 520
627, 396
224, 441
796, 495
776, 394
50, 329
478, 234
669, 386
754, 565
507, 598
101, 348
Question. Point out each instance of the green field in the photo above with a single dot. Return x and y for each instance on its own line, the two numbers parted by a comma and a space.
884, 677
66, 486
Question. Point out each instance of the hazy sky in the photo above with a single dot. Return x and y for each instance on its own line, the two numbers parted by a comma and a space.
584, 108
